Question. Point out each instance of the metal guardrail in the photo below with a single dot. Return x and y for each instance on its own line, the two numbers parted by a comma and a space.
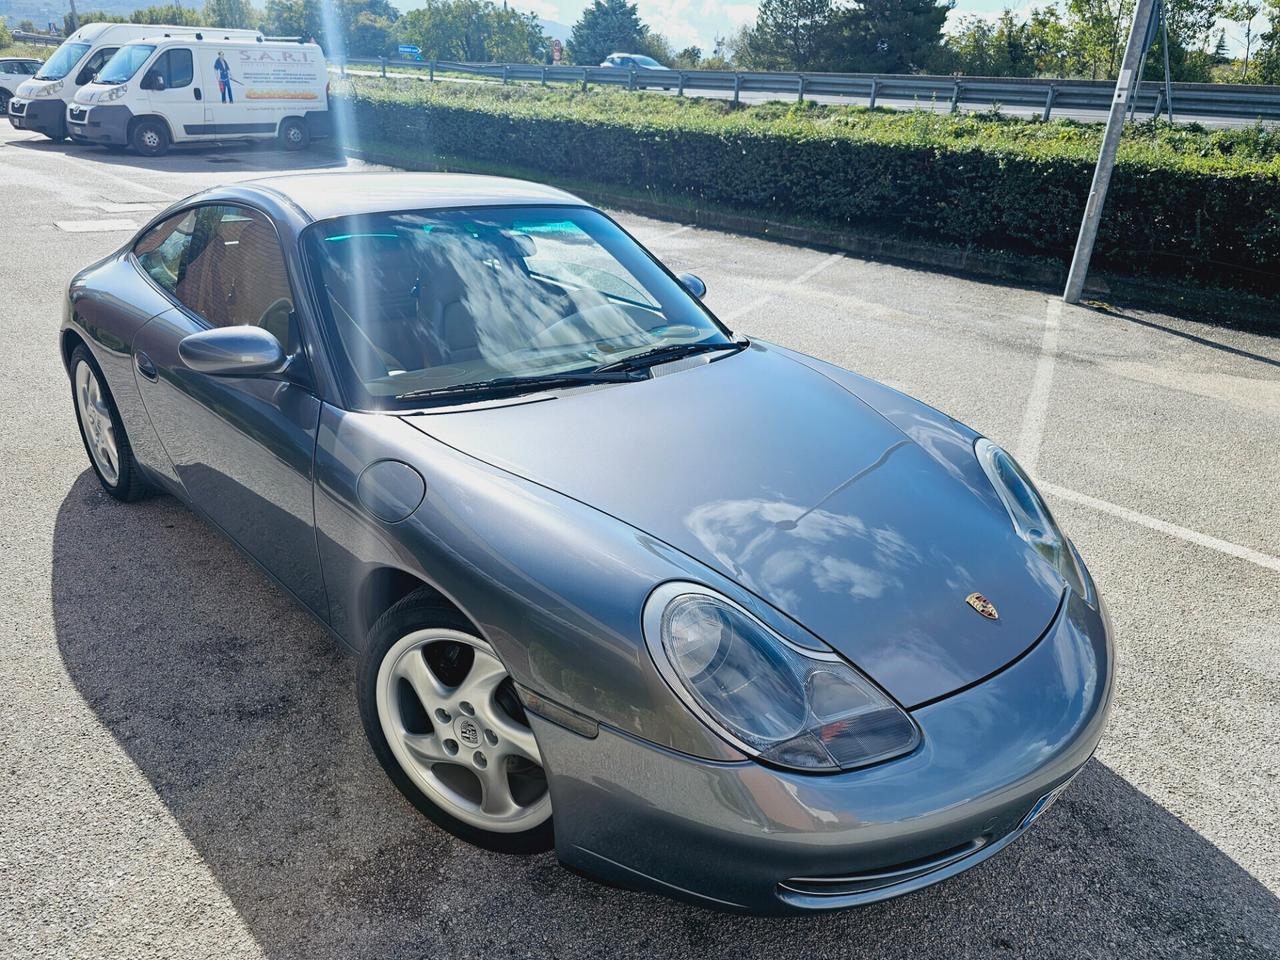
1210, 100
47, 39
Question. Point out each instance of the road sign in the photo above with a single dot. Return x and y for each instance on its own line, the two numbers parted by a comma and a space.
557, 51
410, 52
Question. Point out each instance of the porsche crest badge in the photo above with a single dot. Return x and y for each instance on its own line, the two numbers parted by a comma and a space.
982, 605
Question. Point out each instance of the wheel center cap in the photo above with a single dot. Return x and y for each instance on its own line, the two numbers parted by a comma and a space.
468, 732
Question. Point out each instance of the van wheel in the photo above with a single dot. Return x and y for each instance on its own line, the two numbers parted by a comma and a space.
294, 134
150, 138
5, 96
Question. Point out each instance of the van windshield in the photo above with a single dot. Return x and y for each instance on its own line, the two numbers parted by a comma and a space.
63, 59
125, 63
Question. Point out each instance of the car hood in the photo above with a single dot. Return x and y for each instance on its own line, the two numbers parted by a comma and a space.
771, 473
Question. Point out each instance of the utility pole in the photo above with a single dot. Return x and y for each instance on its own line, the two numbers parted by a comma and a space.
1126, 84
75, 17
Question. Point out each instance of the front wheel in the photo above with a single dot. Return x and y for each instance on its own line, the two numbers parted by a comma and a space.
5, 97
150, 138
444, 720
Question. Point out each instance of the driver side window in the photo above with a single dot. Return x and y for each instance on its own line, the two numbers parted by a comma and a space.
235, 273
162, 250
97, 60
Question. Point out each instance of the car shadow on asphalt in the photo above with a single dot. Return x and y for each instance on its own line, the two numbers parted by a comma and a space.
240, 712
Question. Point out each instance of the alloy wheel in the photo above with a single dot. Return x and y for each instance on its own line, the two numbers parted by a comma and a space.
95, 417
449, 711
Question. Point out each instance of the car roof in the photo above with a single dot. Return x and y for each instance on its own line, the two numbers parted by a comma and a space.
323, 196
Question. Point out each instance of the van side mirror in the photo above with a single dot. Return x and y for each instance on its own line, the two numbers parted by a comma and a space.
232, 352
154, 80
693, 284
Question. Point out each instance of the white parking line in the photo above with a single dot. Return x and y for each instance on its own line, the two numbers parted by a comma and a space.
669, 233
1163, 526
94, 226
1038, 400
809, 274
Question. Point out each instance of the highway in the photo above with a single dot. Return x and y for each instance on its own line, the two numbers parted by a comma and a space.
182, 768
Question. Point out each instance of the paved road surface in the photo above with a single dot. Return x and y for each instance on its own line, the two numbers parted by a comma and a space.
182, 770
939, 105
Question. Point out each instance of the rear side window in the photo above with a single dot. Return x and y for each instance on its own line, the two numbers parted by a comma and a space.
162, 250
235, 272
176, 68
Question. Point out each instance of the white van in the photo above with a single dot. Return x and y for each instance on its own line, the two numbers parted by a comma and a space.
157, 92
40, 103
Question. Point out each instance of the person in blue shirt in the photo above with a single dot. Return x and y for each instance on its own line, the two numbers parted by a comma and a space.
223, 70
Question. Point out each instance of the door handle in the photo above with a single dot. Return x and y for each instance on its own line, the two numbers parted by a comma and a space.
145, 366
199, 95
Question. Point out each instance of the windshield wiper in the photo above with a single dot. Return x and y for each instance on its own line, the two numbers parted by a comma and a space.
665, 354
512, 386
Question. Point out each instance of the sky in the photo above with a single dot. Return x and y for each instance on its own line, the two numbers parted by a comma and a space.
699, 22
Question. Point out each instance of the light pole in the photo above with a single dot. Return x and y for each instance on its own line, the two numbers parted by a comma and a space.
1126, 84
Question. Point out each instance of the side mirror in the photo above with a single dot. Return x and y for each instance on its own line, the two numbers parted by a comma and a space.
153, 81
232, 352
693, 284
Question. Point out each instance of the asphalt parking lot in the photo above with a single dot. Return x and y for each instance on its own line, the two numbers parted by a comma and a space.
182, 769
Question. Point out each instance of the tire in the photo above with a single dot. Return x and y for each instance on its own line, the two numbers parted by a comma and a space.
461, 751
102, 431
5, 97
150, 138
294, 134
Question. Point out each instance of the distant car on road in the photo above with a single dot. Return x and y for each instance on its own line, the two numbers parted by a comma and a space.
637, 61
757, 632
14, 70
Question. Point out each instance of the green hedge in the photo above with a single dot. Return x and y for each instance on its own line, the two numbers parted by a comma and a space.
1182, 200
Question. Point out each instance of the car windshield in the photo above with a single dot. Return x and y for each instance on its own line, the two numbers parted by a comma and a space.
442, 300
63, 59
126, 62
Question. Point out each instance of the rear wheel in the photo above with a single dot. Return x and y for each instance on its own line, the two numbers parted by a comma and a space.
294, 134
101, 430
5, 97
150, 138
444, 720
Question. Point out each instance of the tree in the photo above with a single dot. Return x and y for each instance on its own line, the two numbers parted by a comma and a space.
789, 35
1243, 12
688, 59
890, 36
605, 27
230, 14
6, 38
474, 30
365, 28
174, 14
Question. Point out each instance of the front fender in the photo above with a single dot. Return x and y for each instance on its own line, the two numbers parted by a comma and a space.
554, 585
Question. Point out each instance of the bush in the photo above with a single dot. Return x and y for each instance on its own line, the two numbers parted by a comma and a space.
1182, 199
6, 38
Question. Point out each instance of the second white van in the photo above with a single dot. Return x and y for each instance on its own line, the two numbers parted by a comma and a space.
40, 103
158, 92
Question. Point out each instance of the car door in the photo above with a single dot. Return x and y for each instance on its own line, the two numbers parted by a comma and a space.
180, 99
242, 447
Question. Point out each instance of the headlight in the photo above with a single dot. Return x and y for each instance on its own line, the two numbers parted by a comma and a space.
115, 93
791, 706
52, 90
1031, 518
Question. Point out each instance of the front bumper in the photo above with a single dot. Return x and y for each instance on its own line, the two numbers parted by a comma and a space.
743, 836
104, 123
47, 116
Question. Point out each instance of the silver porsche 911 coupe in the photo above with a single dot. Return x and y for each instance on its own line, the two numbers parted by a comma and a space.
712, 618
